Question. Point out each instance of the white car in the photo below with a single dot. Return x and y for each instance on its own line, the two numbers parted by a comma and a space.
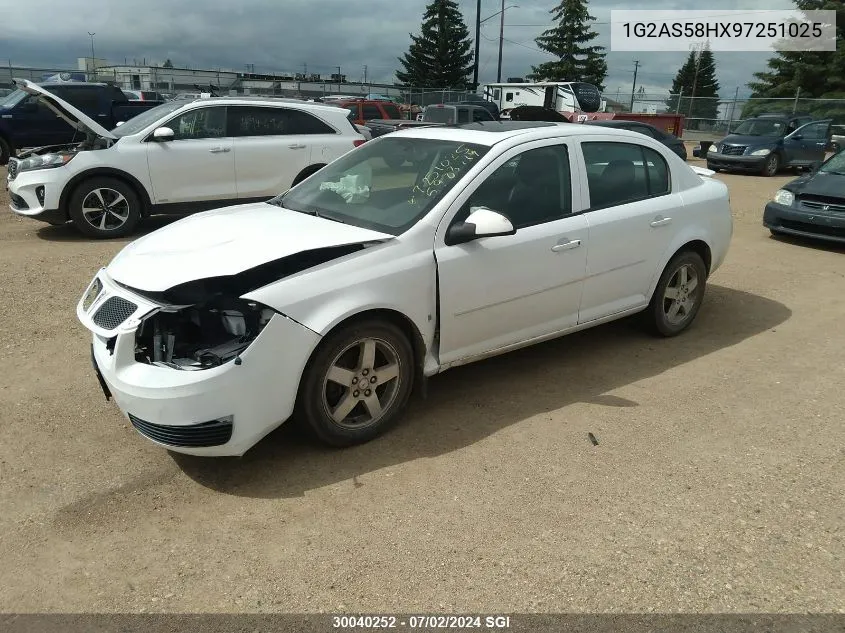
179, 157
335, 299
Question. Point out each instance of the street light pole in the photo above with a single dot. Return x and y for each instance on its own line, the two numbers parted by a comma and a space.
477, 44
501, 42
93, 58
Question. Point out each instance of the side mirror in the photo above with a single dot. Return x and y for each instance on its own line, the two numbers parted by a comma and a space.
163, 134
482, 222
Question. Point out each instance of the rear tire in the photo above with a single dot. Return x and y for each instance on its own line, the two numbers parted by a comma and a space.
306, 173
357, 383
678, 295
394, 161
105, 208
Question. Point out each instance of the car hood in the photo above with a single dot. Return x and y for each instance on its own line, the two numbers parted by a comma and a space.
741, 139
227, 242
65, 111
819, 184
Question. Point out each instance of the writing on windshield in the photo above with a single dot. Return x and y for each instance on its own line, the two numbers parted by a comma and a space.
443, 172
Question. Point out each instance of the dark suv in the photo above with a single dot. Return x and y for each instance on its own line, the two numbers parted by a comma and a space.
766, 143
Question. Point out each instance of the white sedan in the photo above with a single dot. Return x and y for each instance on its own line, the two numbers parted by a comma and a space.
329, 303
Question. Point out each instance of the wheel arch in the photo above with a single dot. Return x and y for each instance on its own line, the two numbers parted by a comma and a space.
390, 315
307, 172
106, 172
696, 245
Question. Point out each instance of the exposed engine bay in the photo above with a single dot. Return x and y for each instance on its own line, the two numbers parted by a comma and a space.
200, 336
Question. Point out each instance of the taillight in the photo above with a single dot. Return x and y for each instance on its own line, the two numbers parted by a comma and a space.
358, 142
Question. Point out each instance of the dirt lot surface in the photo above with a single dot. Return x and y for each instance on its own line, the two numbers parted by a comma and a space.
717, 483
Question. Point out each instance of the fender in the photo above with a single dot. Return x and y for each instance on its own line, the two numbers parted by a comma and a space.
109, 172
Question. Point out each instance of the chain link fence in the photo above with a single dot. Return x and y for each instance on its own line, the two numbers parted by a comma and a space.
707, 118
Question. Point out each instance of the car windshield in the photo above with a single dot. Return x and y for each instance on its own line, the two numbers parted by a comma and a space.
835, 164
386, 185
12, 99
761, 127
145, 119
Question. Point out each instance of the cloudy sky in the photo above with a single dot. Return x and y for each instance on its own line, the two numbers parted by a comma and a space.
283, 35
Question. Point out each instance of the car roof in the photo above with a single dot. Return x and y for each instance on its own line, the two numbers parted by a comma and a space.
491, 132
264, 101
616, 123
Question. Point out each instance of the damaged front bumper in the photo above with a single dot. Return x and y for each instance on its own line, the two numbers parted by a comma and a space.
217, 408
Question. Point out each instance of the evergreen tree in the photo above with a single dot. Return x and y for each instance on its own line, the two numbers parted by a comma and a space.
441, 55
696, 78
808, 74
569, 40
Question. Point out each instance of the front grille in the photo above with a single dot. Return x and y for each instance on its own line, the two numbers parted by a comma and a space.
12, 168
733, 150
817, 203
113, 312
818, 229
18, 202
215, 433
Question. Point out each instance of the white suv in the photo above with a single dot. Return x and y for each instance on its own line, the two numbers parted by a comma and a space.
180, 157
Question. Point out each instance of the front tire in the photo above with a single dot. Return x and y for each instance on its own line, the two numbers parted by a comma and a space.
772, 165
5, 151
357, 384
678, 295
105, 208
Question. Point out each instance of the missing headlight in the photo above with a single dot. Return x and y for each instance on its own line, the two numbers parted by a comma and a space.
200, 336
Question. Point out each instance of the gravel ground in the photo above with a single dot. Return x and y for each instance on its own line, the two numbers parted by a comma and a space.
713, 487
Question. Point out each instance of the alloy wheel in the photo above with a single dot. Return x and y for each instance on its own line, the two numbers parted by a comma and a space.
362, 383
680, 296
105, 209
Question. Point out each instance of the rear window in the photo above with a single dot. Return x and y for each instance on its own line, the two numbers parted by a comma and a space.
392, 111
441, 114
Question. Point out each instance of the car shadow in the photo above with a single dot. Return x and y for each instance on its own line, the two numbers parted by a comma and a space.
68, 233
469, 403
809, 242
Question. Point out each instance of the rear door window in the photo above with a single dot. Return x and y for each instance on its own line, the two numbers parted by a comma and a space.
392, 111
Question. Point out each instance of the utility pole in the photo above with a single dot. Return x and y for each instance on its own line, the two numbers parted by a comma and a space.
795, 104
733, 109
93, 58
680, 96
694, 82
365, 74
634, 87
501, 42
477, 45
339, 87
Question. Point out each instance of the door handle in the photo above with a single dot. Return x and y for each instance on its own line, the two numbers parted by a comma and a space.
660, 221
296, 146
566, 246
219, 150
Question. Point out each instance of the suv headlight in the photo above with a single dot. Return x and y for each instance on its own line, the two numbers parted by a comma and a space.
713, 149
761, 152
784, 197
45, 161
